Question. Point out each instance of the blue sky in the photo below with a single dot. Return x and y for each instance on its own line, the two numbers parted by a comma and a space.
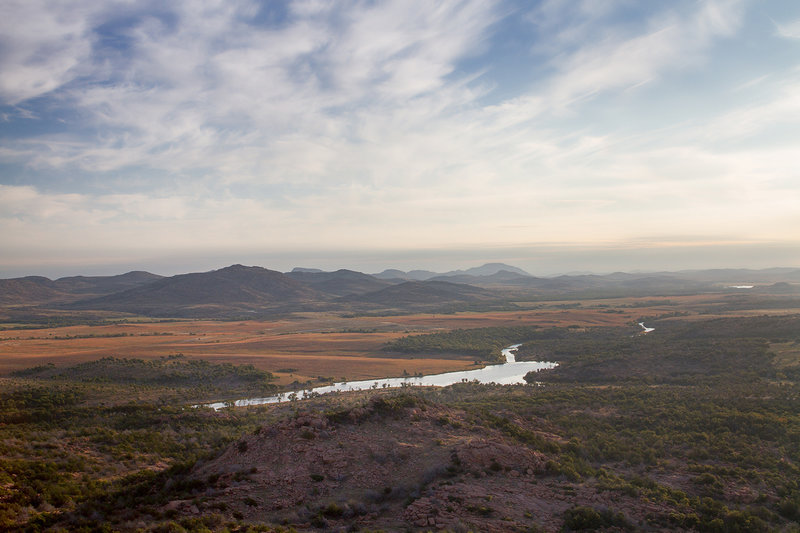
559, 136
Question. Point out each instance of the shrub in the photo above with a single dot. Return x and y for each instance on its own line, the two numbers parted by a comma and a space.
332, 510
582, 518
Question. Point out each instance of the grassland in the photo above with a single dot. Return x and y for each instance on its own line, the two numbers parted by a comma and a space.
313, 343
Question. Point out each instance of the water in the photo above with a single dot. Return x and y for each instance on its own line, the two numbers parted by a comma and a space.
507, 373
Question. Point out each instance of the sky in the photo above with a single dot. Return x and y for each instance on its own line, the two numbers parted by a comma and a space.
579, 136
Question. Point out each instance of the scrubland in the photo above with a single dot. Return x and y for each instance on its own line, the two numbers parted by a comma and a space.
694, 426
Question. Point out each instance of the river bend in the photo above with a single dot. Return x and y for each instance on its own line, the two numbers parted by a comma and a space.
508, 373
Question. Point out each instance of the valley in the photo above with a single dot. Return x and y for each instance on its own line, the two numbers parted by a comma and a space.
692, 425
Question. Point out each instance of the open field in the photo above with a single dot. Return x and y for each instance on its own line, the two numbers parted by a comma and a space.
307, 346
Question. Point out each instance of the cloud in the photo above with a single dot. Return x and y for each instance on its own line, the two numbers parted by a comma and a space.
44, 46
789, 30
217, 94
367, 123
617, 62
782, 107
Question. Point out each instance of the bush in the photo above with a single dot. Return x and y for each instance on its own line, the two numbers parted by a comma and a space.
584, 518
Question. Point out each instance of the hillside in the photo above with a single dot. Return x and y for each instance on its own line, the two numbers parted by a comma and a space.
230, 291
30, 290
502, 278
420, 294
395, 274
423, 464
340, 283
38, 290
98, 285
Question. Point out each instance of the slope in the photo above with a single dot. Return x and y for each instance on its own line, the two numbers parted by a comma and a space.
228, 292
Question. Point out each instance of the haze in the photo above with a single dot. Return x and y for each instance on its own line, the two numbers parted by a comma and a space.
555, 136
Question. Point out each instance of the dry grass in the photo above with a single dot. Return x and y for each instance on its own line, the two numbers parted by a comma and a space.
314, 344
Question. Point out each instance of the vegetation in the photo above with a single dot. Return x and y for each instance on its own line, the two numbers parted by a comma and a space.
97, 431
700, 424
173, 370
696, 421
482, 342
682, 353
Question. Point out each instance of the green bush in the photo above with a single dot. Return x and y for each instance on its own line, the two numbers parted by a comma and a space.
580, 518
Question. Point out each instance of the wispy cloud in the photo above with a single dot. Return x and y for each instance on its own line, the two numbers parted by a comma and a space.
215, 87
789, 30
45, 45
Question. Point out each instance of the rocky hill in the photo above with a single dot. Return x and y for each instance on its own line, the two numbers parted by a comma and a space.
232, 291
397, 462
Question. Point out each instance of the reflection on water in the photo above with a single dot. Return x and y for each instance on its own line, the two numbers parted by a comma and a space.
508, 373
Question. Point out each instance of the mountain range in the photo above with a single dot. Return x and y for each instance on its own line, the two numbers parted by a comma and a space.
422, 275
240, 291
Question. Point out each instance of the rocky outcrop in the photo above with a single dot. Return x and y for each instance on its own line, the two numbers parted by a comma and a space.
395, 463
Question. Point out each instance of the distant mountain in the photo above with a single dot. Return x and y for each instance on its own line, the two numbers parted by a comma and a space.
502, 277
416, 275
340, 283
488, 269
238, 291
230, 291
105, 284
420, 275
391, 273
423, 293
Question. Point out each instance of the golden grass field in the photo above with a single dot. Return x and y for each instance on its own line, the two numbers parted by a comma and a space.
310, 345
